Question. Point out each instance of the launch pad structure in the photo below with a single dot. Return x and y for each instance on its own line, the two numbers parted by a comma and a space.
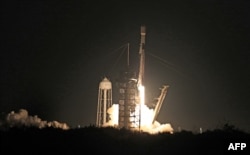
129, 98
128, 118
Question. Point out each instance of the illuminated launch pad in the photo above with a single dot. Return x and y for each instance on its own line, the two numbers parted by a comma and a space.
132, 113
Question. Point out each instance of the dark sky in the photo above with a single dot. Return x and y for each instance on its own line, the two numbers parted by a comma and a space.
55, 53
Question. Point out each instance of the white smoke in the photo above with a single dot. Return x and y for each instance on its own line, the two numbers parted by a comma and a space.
158, 128
22, 118
146, 120
113, 113
147, 115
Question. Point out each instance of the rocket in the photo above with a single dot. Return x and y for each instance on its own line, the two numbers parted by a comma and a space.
142, 56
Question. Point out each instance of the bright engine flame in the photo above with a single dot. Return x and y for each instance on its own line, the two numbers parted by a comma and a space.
141, 94
142, 109
146, 116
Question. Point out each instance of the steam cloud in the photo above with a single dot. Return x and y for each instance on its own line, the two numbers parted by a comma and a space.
113, 115
146, 118
147, 115
22, 118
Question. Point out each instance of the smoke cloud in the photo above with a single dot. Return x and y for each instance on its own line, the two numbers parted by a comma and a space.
146, 120
158, 128
22, 118
147, 115
113, 115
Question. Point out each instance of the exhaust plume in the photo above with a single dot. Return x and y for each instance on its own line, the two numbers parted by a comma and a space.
113, 113
146, 120
22, 118
146, 116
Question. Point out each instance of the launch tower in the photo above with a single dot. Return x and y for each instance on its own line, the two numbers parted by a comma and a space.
128, 91
127, 100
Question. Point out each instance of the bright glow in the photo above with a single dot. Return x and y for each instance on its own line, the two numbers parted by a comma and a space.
142, 94
113, 112
147, 116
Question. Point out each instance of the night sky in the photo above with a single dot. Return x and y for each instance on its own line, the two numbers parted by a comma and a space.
55, 53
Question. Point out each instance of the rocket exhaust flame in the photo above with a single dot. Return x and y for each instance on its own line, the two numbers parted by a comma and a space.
146, 116
142, 94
